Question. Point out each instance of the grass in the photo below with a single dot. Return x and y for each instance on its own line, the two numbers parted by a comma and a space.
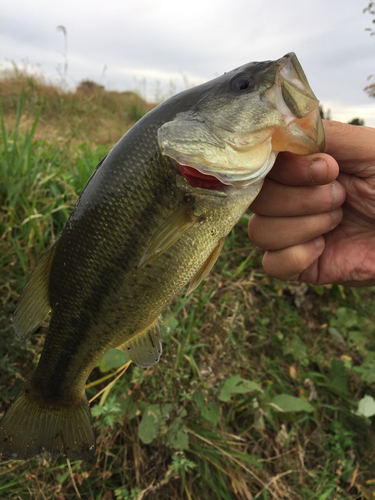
89, 114
257, 391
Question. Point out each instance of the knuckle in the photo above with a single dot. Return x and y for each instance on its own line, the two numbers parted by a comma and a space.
257, 231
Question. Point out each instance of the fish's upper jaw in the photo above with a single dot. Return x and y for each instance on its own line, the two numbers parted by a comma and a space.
290, 69
292, 96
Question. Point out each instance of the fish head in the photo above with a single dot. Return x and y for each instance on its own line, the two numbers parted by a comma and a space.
233, 127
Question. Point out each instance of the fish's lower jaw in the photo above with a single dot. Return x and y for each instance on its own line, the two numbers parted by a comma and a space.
302, 136
300, 130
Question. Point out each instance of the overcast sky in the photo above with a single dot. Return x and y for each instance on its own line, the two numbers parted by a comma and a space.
161, 46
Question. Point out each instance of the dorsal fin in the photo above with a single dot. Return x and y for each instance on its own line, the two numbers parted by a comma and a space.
33, 304
145, 347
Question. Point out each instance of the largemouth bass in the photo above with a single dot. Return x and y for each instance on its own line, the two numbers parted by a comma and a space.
152, 218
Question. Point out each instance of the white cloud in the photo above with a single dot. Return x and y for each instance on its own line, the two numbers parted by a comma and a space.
161, 41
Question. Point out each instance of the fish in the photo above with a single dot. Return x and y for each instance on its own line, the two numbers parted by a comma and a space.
151, 219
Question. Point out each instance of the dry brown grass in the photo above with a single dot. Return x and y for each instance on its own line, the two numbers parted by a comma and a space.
90, 113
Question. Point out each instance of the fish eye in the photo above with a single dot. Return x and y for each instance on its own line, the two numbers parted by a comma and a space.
242, 84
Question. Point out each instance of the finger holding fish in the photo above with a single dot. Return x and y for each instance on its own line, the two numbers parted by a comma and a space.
275, 233
280, 200
288, 263
300, 201
304, 170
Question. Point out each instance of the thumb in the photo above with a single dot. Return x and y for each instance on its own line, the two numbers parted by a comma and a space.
353, 147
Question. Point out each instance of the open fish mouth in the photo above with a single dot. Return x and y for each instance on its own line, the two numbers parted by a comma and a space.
199, 180
280, 113
293, 97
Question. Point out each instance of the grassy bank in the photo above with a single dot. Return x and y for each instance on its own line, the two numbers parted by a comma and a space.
257, 391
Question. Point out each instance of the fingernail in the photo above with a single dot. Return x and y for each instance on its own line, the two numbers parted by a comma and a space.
318, 171
336, 216
318, 242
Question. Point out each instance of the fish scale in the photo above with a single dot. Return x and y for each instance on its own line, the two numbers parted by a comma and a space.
141, 231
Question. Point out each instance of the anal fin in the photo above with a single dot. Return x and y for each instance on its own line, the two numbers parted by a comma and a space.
206, 268
33, 304
145, 347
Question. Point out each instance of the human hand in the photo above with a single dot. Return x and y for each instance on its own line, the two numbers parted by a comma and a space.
309, 230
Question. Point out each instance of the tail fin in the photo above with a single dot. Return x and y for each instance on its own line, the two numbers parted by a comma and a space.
31, 425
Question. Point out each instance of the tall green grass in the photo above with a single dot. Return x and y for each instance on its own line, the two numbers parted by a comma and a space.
256, 393
39, 184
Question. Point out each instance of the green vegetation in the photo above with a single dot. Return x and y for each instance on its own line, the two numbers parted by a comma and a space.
265, 388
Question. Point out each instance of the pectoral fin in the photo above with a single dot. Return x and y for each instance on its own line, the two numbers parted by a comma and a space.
206, 268
145, 347
169, 232
33, 304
